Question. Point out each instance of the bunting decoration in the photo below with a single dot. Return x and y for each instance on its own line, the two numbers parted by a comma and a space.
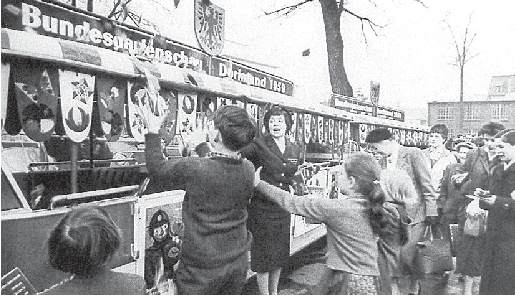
331, 131
362, 132
36, 99
299, 136
169, 127
307, 128
76, 103
320, 129
6, 69
186, 115
342, 133
111, 95
135, 125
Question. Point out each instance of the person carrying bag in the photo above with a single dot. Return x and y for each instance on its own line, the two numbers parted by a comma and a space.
433, 253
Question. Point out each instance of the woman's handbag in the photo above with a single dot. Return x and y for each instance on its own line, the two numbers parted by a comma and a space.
433, 252
475, 224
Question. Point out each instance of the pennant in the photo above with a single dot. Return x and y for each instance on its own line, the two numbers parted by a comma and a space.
307, 128
12, 122
186, 115
299, 136
135, 123
342, 132
169, 127
76, 103
362, 133
36, 99
320, 129
6, 70
111, 95
331, 131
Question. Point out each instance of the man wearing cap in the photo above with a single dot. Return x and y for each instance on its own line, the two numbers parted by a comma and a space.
161, 257
413, 161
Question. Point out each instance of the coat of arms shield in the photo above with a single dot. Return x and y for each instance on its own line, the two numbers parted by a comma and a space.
209, 26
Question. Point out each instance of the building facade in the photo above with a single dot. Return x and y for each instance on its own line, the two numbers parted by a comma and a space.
477, 113
498, 106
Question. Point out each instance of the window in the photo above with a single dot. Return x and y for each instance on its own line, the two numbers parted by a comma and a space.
499, 112
445, 113
472, 112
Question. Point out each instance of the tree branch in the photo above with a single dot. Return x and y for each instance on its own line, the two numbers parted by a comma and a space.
287, 9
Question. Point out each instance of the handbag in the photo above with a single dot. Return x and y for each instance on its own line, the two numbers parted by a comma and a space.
433, 253
475, 224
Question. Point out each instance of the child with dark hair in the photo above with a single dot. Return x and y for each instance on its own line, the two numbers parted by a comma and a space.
218, 188
355, 221
82, 244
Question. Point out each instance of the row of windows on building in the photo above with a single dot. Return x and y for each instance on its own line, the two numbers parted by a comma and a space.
499, 112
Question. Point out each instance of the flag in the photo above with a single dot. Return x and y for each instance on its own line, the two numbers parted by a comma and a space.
306, 52
36, 100
111, 95
76, 103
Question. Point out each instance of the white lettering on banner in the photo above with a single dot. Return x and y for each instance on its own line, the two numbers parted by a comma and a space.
249, 79
32, 18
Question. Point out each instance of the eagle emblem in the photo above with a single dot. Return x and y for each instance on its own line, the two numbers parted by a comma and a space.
209, 26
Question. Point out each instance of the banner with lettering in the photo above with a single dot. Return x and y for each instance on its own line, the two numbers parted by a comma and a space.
36, 99
76, 103
111, 95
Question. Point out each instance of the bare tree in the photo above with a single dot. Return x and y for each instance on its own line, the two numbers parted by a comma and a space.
331, 12
463, 56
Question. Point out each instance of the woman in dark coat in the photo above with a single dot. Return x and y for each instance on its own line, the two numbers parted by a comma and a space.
269, 223
498, 274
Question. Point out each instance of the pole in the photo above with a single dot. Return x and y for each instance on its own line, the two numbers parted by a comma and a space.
74, 151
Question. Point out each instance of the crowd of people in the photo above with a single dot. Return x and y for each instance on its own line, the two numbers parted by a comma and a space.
239, 199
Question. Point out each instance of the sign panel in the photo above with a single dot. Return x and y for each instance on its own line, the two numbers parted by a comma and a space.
246, 75
54, 21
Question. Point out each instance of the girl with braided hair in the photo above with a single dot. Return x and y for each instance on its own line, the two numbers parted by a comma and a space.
355, 221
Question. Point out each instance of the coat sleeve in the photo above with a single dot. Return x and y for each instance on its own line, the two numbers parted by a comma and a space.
175, 173
313, 207
252, 153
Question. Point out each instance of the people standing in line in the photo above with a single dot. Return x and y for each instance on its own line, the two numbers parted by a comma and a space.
214, 254
354, 220
82, 244
438, 156
268, 222
498, 273
479, 165
452, 179
400, 197
413, 162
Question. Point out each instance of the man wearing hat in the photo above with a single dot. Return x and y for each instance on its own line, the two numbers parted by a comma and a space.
161, 257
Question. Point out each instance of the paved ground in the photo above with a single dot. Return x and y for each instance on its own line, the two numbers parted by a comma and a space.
299, 280
305, 270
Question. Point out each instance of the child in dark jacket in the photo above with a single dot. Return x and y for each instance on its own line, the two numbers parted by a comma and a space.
214, 210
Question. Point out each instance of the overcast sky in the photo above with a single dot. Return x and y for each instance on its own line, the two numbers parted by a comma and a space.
411, 56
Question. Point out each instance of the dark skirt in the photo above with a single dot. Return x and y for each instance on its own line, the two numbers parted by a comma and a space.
337, 282
469, 253
271, 238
